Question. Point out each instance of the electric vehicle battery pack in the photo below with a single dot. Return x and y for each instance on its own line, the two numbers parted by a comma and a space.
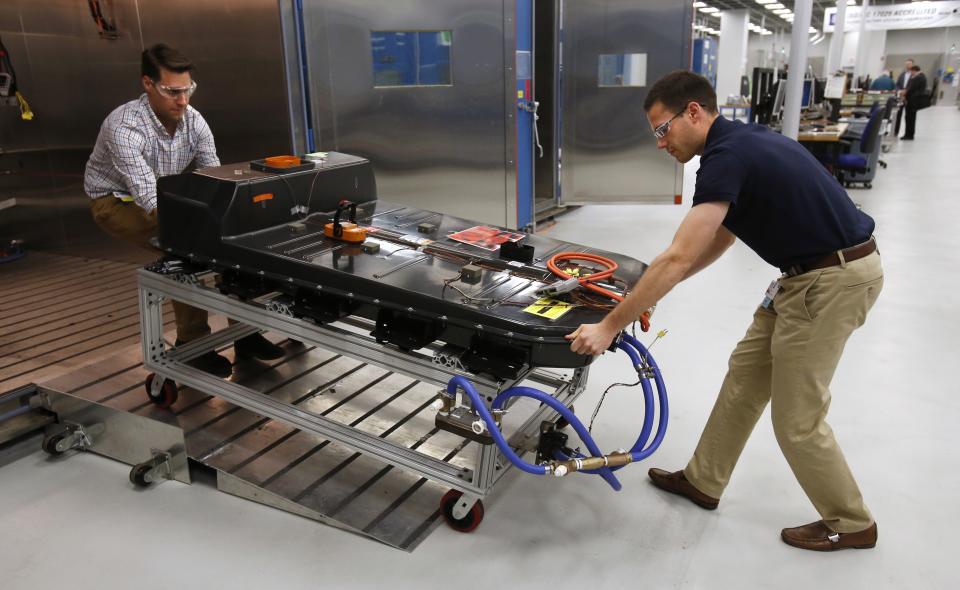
264, 232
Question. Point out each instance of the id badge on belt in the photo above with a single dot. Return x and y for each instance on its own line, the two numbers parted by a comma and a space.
770, 294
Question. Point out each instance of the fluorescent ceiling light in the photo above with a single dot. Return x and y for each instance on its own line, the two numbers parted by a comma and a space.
709, 10
774, 6
783, 11
766, 32
699, 4
761, 2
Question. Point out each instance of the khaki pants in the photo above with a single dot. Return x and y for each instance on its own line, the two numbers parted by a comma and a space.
130, 223
788, 358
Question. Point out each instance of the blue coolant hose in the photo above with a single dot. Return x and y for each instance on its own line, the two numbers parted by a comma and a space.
646, 368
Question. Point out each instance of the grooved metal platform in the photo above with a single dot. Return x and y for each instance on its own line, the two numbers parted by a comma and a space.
71, 325
59, 313
269, 462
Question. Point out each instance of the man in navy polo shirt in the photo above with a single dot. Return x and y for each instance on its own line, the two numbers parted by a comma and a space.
767, 190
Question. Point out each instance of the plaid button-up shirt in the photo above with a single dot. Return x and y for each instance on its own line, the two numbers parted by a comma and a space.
133, 149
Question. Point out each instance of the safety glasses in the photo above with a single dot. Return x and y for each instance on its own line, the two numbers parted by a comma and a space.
174, 93
661, 130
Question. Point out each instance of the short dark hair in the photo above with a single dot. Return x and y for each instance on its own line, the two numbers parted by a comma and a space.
915, 68
678, 89
163, 56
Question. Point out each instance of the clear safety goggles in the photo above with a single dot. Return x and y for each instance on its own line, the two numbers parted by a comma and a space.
174, 92
661, 130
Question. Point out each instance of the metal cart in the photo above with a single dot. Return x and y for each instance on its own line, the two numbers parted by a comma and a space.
461, 507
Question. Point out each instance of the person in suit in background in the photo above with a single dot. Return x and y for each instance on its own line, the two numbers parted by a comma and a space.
902, 80
912, 96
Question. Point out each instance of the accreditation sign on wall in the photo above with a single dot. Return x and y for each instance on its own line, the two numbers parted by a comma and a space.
916, 15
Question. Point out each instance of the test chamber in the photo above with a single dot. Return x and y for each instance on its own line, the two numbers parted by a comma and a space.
496, 112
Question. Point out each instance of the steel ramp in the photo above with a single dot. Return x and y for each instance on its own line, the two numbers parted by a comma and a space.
272, 463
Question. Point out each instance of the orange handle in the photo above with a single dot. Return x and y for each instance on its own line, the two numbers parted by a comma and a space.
282, 161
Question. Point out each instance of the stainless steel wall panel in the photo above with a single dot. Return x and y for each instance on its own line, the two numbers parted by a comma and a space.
75, 84
63, 18
15, 133
609, 153
296, 105
433, 147
73, 78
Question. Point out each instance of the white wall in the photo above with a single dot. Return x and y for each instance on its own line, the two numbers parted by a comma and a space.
732, 53
936, 40
874, 58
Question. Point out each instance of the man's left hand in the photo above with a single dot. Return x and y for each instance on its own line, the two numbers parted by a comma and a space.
591, 339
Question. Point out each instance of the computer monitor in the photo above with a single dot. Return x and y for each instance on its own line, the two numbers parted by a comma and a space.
819, 87
807, 100
761, 95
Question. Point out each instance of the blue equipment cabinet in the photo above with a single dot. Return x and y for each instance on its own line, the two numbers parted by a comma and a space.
705, 59
526, 111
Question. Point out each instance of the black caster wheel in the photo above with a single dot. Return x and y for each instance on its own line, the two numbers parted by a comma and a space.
168, 392
468, 523
561, 422
868, 184
49, 445
138, 475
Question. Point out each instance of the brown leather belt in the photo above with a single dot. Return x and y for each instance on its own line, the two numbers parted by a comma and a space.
833, 259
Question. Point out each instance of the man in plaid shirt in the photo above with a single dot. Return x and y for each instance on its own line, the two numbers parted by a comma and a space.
156, 135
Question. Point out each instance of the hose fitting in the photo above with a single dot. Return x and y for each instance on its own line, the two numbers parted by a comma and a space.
561, 468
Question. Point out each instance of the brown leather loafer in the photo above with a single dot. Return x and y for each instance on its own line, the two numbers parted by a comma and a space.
816, 536
676, 483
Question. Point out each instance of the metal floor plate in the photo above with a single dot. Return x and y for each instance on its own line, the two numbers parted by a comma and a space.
270, 462
59, 313
71, 325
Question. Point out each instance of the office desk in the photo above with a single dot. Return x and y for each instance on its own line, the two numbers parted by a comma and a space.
830, 133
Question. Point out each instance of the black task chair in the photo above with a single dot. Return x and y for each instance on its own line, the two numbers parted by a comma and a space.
863, 115
858, 163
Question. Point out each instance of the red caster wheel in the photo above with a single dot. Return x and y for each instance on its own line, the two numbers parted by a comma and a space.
466, 524
167, 395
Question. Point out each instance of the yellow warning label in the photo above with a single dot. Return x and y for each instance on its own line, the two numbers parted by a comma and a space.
549, 308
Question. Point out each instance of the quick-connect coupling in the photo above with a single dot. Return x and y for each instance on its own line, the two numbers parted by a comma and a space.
445, 402
561, 468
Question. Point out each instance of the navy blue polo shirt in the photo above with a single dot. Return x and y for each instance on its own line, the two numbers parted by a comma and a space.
784, 204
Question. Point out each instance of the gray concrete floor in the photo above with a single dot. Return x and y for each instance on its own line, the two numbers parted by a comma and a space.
77, 522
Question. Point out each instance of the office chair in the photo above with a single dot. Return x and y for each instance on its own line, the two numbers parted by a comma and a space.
858, 164
886, 124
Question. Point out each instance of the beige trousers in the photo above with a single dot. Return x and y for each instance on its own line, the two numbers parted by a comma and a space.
788, 358
130, 223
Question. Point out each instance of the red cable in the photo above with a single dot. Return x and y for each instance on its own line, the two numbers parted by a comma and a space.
587, 282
